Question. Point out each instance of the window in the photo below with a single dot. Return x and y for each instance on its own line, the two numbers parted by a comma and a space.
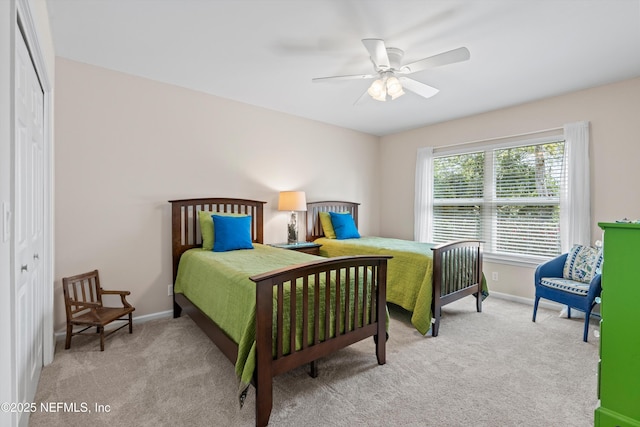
527, 200
507, 196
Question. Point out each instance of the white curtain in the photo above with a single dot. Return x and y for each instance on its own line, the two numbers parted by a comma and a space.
423, 218
575, 203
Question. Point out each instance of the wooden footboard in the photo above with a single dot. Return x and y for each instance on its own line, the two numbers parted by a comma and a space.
457, 273
357, 312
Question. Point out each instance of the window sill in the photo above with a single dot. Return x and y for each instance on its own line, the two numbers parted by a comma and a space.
518, 261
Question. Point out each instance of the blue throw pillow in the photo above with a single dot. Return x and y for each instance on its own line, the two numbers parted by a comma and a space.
344, 226
232, 232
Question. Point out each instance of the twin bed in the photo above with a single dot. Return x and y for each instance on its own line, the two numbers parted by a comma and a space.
421, 277
244, 299
271, 310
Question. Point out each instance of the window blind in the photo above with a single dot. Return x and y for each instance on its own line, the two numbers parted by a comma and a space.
507, 196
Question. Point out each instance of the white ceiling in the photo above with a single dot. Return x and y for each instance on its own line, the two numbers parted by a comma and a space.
265, 52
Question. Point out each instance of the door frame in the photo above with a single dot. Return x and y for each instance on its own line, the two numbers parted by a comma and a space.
29, 30
10, 12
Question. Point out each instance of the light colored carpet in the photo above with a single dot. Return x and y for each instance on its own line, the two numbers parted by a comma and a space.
494, 368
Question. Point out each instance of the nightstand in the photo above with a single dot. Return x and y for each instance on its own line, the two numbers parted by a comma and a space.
306, 247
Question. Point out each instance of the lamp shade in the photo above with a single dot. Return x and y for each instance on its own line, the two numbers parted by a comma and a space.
292, 201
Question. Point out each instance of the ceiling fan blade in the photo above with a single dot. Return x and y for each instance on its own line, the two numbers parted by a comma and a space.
450, 57
418, 87
348, 77
378, 52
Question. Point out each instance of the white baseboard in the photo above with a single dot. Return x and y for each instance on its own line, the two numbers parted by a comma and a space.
137, 320
561, 309
527, 301
153, 316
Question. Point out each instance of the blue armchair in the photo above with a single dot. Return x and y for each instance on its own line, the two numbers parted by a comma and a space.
572, 279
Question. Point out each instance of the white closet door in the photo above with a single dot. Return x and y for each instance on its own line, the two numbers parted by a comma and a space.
28, 225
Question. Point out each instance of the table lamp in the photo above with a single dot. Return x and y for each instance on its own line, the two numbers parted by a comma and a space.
293, 201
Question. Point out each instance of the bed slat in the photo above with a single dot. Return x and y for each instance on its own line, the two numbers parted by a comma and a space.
347, 284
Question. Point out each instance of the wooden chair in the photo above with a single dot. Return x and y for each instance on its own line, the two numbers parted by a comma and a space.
83, 304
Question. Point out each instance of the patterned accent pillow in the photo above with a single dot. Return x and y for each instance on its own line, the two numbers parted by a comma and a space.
582, 263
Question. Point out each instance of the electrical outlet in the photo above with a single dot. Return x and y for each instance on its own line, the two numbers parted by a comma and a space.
170, 291
494, 276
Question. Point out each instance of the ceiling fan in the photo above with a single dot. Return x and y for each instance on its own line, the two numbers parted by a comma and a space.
391, 74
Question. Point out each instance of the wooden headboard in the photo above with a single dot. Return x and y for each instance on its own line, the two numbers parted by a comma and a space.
314, 228
185, 226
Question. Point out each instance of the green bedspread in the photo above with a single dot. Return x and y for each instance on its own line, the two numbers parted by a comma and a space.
409, 272
218, 283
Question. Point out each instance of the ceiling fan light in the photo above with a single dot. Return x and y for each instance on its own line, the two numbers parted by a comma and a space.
394, 88
382, 97
377, 91
397, 95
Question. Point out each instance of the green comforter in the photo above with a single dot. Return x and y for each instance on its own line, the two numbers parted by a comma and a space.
409, 272
218, 283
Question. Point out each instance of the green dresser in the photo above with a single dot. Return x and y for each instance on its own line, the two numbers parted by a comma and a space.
619, 369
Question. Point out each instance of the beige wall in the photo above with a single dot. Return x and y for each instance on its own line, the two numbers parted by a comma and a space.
126, 145
612, 111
